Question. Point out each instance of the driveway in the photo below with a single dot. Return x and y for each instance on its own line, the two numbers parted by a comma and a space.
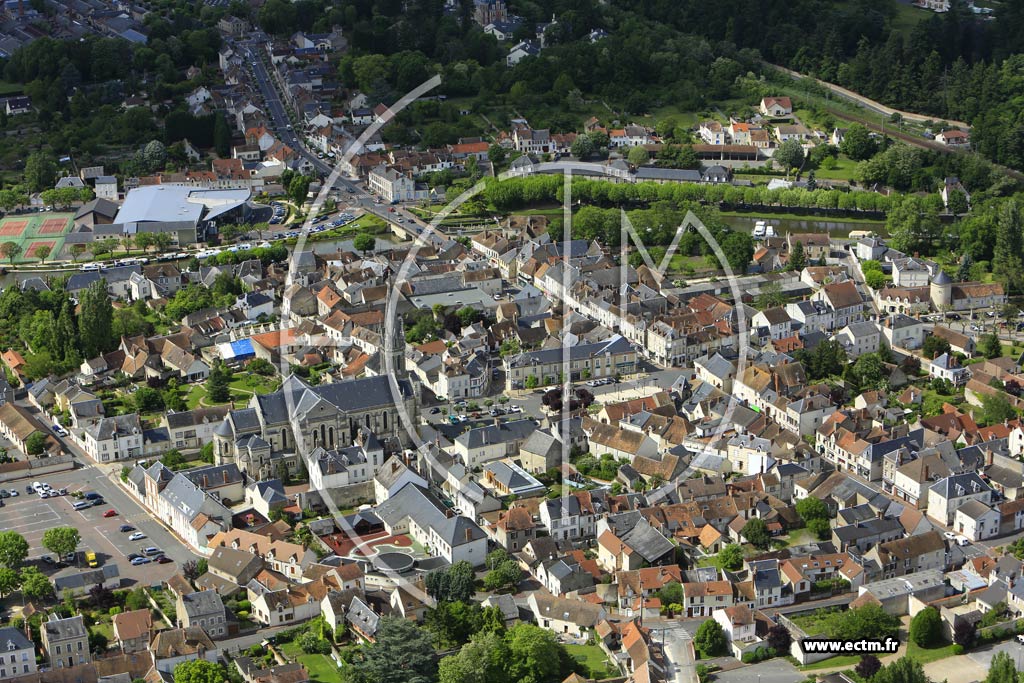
983, 656
772, 671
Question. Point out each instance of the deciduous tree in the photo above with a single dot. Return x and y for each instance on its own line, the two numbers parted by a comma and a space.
13, 549
926, 628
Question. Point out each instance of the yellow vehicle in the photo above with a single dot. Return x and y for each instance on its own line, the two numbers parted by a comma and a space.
90, 558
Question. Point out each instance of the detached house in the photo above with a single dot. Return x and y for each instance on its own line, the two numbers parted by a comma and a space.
570, 617
776, 107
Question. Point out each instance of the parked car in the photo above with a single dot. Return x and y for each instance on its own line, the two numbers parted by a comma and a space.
47, 559
14, 493
137, 536
81, 505
110, 513
132, 556
141, 560
152, 550
125, 528
163, 559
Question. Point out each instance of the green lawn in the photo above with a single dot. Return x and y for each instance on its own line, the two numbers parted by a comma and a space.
845, 169
198, 392
907, 17
838, 661
105, 628
321, 668
254, 384
812, 624
594, 658
290, 649
797, 217
931, 654
366, 222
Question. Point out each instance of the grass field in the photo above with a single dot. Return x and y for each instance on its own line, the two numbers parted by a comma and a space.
845, 169
197, 396
254, 384
594, 659
931, 654
907, 17
837, 662
321, 668
813, 624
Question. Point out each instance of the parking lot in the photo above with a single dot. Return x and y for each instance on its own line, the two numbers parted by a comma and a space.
31, 516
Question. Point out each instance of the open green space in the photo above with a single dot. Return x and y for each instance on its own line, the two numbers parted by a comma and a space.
196, 396
254, 384
837, 662
797, 217
813, 624
594, 658
926, 655
844, 169
321, 668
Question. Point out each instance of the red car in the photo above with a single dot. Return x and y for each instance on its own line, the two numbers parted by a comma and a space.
110, 513
391, 209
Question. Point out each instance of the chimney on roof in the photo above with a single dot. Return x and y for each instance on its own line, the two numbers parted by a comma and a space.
469, 535
926, 472
206, 482
989, 456
225, 473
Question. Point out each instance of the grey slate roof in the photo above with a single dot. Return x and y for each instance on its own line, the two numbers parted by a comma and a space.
959, 485
362, 617
355, 395
109, 427
202, 604
505, 432
65, 629
13, 637
215, 475
615, 344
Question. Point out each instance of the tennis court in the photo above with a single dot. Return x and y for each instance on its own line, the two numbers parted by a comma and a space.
27, 229
53, 226
33, 248
11, 228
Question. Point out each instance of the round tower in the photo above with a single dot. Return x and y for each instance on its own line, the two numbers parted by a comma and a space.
942, 290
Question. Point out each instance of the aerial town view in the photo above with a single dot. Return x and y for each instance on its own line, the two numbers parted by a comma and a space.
512, 341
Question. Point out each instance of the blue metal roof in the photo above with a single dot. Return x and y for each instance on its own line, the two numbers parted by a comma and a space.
242, 347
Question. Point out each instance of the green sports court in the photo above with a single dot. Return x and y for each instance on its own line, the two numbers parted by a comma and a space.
33, 231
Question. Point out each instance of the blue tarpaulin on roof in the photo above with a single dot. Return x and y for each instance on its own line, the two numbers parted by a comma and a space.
237, 350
